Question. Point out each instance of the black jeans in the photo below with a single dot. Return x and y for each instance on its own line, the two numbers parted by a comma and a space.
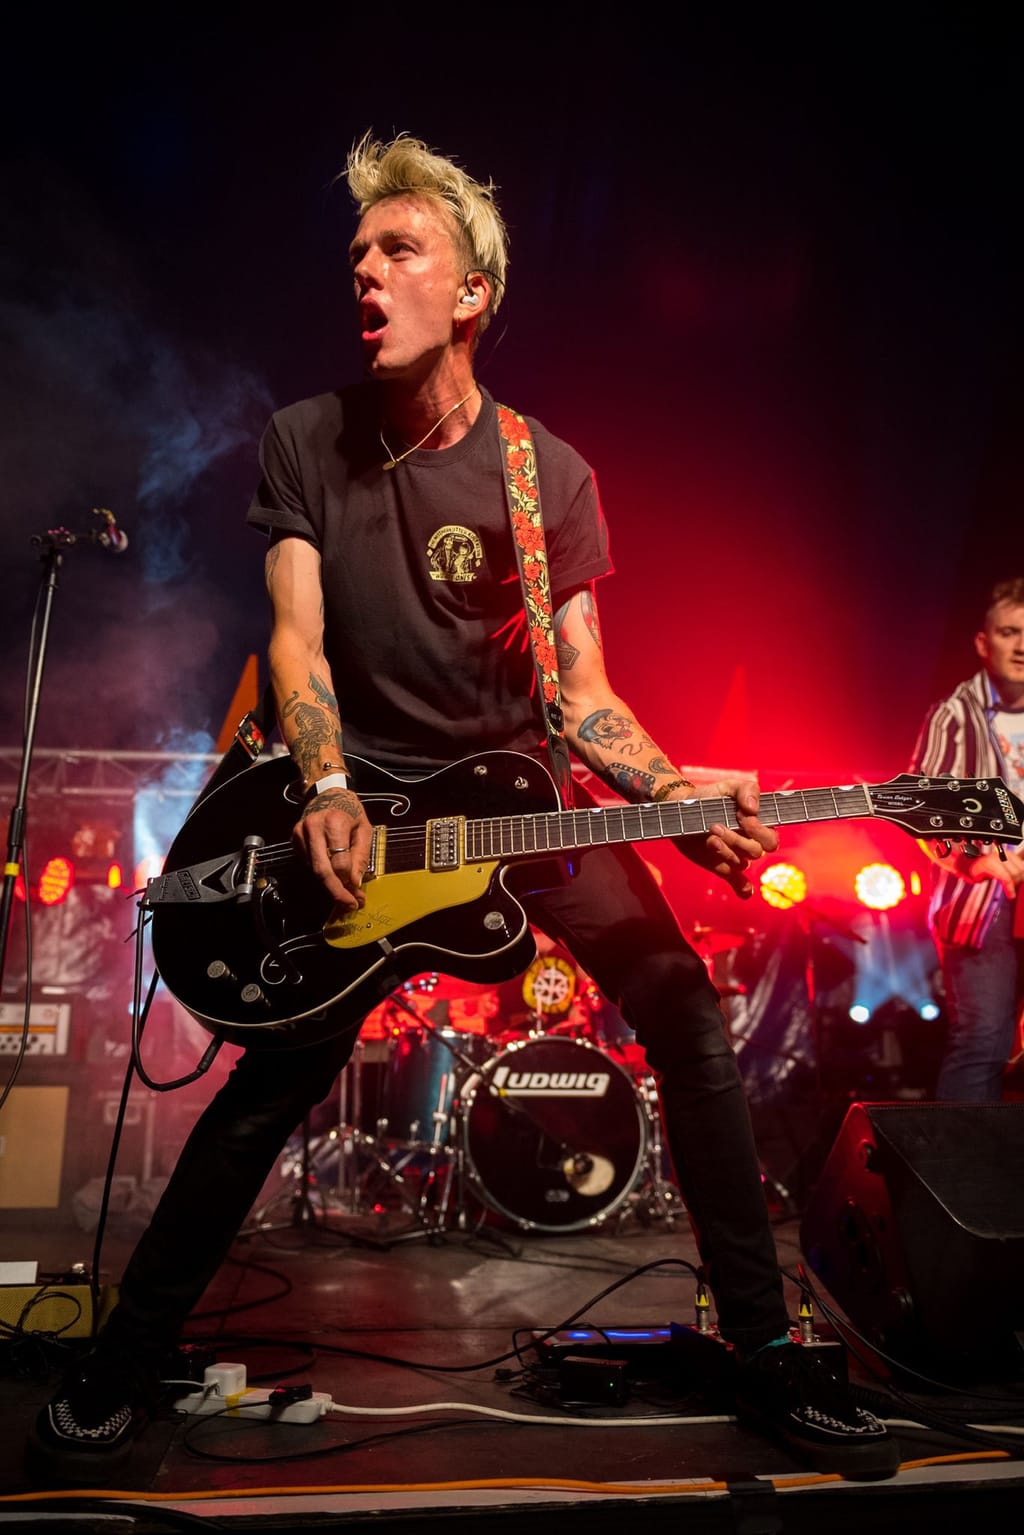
614, 920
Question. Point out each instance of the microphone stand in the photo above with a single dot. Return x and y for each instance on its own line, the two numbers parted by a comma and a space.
53, 543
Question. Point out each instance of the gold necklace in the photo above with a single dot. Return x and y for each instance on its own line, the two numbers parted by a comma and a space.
394, 459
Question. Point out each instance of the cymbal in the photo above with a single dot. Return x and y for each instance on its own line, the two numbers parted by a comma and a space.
710, 940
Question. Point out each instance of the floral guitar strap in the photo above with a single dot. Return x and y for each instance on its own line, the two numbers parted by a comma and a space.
522, 493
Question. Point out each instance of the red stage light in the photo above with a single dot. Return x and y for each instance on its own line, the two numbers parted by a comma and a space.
783, 885
115, 879
879, 886
56, 880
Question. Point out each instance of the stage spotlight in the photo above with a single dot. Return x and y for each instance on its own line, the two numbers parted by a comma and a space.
783, 885
879, 886
859, 1013
929, 1011
56, 880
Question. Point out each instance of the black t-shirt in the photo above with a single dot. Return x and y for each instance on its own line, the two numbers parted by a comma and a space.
423, 617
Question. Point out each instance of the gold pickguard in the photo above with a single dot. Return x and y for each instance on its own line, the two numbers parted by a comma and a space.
393, 901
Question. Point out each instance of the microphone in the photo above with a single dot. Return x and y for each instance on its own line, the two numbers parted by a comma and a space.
110, 536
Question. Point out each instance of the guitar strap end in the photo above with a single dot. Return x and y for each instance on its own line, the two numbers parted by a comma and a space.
250, 737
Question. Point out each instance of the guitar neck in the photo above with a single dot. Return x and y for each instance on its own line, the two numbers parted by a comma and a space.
563, 830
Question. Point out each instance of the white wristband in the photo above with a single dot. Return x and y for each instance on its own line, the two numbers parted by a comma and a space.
331, 781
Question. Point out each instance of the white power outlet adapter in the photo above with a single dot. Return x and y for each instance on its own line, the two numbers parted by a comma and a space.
224, 1391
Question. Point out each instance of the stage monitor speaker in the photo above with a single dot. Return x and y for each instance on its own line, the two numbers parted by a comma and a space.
916, 1228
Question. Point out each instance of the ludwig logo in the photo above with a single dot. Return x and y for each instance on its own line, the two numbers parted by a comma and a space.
551, 1084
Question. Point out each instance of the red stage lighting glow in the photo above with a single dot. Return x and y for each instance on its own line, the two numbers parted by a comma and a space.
56, 880
115, 879
783, 885
879, 886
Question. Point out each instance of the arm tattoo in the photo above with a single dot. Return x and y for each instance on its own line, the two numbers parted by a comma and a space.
334, 799
615, 732
314, 730
567, 654
322, 693
630, 782
270, 564
588, 607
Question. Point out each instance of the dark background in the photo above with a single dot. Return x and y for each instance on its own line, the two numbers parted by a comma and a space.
765, 275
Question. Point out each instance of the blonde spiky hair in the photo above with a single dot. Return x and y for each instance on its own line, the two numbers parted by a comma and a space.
376, 170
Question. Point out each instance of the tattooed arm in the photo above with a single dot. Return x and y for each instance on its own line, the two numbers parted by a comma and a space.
603, 731
307, 710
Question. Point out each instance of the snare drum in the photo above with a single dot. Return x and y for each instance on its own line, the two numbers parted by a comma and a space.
555, 1133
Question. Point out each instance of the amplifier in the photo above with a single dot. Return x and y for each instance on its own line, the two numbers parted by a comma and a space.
49, 1027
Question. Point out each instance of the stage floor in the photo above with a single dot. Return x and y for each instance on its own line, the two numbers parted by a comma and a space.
415, 1335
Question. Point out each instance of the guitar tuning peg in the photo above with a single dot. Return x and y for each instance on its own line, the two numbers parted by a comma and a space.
943, 848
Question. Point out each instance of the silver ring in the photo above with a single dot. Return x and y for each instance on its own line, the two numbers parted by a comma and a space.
332, 850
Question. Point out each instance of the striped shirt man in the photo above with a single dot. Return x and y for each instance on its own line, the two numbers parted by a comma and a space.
957, 739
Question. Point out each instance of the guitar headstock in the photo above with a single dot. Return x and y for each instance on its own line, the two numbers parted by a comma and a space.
950, 809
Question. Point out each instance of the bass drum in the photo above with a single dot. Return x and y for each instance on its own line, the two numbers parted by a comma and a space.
555, 1134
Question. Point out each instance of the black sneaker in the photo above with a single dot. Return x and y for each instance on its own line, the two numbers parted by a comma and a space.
85, 1433
789, 1392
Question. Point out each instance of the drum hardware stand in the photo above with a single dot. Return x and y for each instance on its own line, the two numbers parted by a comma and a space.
303, 1214
429, 1212
658, 1197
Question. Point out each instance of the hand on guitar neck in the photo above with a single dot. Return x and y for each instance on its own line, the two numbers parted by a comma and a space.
1007, 868
724, 851
1005, 865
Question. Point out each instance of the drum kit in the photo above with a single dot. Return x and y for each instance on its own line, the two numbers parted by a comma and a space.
524, 1106
528, 1106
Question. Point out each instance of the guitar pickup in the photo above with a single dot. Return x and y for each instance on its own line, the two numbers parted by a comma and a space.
443, 843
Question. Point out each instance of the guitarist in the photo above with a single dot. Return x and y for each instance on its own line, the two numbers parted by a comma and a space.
397, 635
976, 911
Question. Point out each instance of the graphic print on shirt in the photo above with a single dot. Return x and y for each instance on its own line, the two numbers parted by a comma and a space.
455, 554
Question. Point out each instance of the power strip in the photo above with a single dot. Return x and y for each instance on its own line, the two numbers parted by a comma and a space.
224, 1391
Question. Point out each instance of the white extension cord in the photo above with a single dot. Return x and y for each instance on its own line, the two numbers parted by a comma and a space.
224, 1391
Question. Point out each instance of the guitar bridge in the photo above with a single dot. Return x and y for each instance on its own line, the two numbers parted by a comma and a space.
443, 843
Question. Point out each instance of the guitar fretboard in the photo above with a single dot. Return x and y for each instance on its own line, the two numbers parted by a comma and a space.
559, 830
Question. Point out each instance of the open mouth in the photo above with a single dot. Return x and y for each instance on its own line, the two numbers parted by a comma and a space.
372, 319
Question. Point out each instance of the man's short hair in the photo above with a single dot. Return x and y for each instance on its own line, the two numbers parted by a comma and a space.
1005, 591
376, 170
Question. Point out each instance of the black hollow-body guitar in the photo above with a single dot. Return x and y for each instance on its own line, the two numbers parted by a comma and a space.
249, 942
